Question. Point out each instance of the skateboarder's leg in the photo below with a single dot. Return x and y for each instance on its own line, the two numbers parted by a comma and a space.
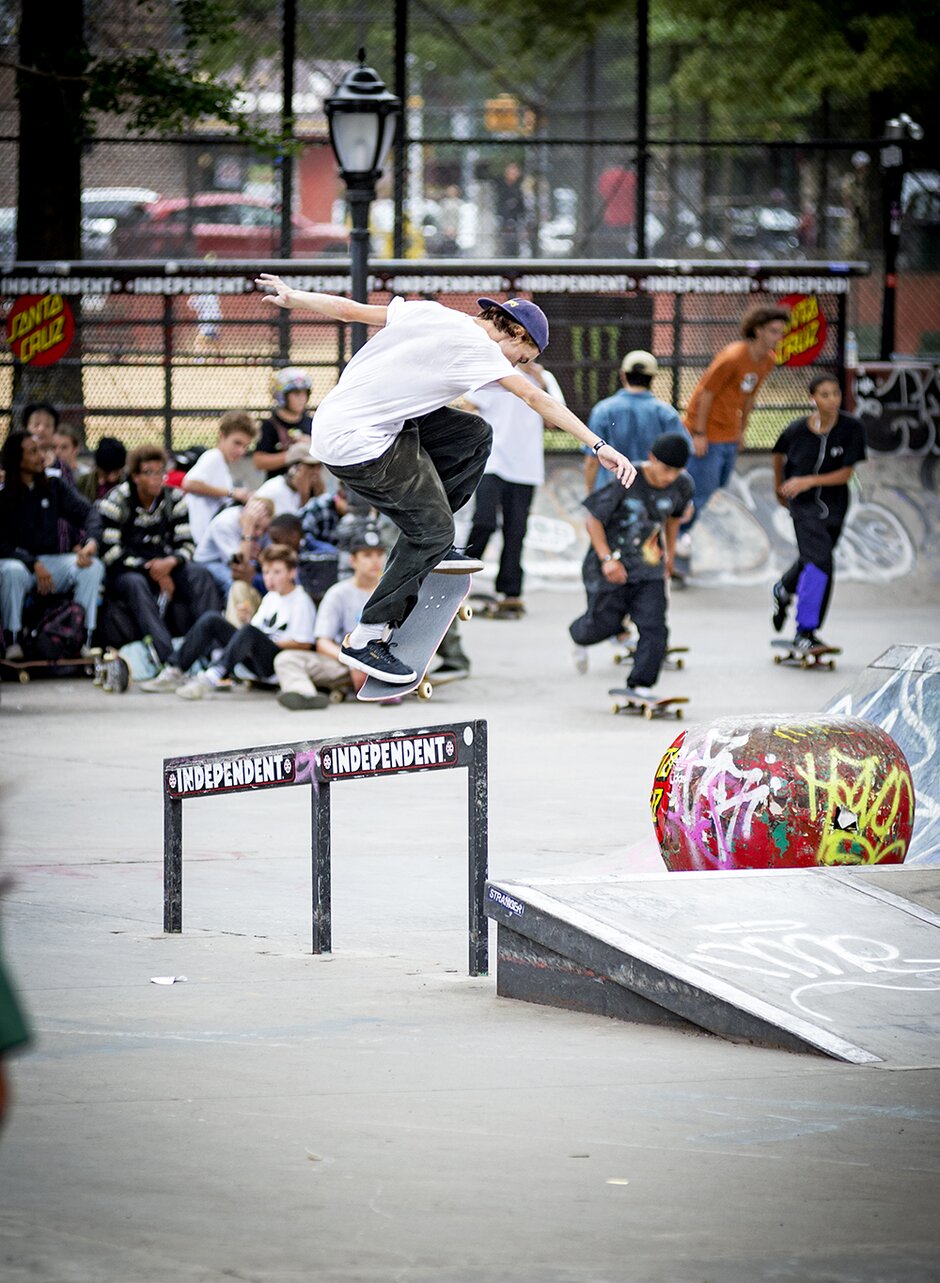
458, 444
516, 500
603, 617
815, 543
647, 606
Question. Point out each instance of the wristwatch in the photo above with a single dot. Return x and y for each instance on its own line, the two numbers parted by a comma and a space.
597, 445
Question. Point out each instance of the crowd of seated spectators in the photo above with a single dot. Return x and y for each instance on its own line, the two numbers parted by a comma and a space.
173, 551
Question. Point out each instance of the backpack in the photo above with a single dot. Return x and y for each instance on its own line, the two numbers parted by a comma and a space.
60, 633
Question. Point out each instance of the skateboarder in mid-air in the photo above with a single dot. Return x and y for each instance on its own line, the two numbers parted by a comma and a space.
814, 458
388, 431
633, 541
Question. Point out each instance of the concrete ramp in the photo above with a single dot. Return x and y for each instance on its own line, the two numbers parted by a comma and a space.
900, 692
843, 963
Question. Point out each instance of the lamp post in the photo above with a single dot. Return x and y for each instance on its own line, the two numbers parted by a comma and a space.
899, 131
362, 115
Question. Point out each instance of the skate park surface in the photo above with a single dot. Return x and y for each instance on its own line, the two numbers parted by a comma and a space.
376, 1114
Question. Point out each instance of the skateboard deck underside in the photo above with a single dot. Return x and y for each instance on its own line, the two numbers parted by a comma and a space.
422, 632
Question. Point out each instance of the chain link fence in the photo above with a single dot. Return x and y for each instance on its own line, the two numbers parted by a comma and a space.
649, 132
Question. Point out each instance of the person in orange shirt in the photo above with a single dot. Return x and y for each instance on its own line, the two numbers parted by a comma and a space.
718, 410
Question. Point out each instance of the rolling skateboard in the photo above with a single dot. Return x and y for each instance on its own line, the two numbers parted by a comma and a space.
441, 600
491, 607
648, 705
111, 672
815, 657
675, 656
25, 669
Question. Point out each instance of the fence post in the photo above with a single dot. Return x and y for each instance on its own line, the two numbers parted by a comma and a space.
321, 870
478, 825
172, 863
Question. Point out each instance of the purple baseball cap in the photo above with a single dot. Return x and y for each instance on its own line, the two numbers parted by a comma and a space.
527, 314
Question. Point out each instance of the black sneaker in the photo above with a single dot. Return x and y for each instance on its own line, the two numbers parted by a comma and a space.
458, 563
782, 601
376, 659
806, 641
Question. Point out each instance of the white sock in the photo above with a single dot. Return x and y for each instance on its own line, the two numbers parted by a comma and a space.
362, 634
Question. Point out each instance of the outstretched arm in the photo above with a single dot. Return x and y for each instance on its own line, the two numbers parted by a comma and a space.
333, 305
559, 416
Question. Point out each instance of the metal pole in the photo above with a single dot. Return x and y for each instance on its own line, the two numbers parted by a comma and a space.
172, 864
168, 373
893, 165
478, 799
286, 160
401, 145
360, 198
642, 120
321, 870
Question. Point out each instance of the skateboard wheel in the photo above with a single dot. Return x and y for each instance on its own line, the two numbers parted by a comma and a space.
680, 663
425, 691
678, 712
337, 696
464, 612
778, 659
618, 659
648, 714
23, 677
615, 708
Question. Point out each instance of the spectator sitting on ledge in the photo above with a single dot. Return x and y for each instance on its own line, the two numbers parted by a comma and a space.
110, 458
148, 550
31, 505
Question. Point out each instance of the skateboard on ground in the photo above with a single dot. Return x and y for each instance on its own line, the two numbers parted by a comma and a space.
25, 669
491, 607
111, 671
649, 705
674, 660
441, 600
815, 657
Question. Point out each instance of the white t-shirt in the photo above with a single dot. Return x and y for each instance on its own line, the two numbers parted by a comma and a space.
425, 356
279, 492
222, 537
518, 452
341, 609
211, 468
286, 616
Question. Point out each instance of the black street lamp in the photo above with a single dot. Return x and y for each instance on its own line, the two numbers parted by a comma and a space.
362, 116
899, 132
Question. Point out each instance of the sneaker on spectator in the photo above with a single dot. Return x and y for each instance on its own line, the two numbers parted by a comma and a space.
684, 545
168, 679
580, 656
196, 688
458, 563
297, 702
376, 659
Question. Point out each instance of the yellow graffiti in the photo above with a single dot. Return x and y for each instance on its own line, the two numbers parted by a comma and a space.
800, 731
852, 785
31, 317
655, 798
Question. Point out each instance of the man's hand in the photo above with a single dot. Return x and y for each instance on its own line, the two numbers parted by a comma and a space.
700, 444
617, 463
86, 553
241, 494
277, 292
160, 568
241, 568
43, 579
614, 571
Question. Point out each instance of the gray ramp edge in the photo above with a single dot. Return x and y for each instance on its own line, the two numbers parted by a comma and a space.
900, 692
635, 930
704, 1000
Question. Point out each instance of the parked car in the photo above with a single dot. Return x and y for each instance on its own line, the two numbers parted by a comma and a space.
104, 210
224, 224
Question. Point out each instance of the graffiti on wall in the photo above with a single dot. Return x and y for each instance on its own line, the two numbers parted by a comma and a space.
900, 407
771, 792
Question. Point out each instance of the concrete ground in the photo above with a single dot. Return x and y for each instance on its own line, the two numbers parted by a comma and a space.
376, 1115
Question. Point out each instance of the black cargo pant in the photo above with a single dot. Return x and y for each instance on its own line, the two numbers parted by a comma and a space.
247, 645
429, 471
811, 575
645, 602
195, 591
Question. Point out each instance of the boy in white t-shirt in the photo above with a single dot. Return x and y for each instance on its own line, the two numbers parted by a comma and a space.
388, 431
301, 671
209, 481
285, 620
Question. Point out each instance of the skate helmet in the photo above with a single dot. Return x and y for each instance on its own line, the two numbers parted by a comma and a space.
288, 380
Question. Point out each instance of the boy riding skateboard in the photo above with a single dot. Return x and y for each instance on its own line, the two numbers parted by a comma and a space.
387, 431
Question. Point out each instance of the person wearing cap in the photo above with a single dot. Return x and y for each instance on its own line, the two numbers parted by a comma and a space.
389, 432
301, 672
632, 418
301, 480
110, 461
287, 423
633, 542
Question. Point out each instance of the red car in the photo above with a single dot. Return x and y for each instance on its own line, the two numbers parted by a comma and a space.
227, 225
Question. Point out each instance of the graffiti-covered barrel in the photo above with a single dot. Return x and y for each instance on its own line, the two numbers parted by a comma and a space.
771, 792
